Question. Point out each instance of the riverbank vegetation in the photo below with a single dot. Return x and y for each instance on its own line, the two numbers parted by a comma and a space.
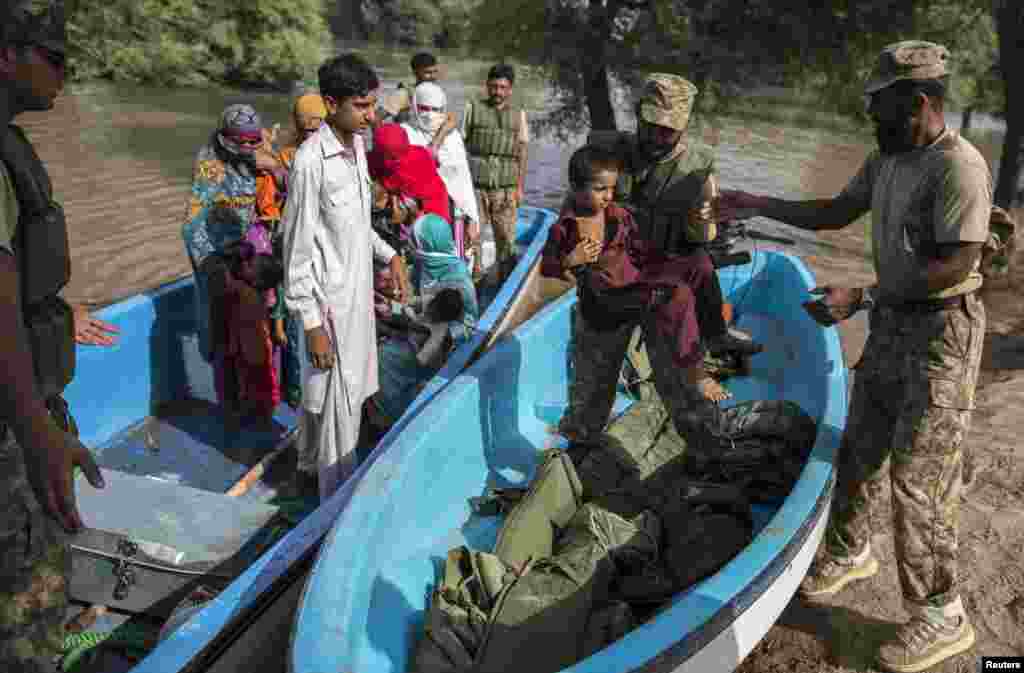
731, 47
196, 42
586, 50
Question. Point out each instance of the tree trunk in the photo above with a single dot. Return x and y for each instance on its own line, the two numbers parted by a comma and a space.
965, 119
599, 98
1010, 24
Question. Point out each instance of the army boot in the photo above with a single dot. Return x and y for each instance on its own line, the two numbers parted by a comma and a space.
932, 635
830, 573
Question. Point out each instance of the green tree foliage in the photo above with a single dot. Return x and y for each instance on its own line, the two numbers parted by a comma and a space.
1009, 15
190, 42
823, 49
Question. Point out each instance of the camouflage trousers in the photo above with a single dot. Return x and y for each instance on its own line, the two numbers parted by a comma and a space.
34, 571
597, 357
498, 210
910, 412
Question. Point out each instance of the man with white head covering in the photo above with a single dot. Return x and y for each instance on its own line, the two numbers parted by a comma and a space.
428, 115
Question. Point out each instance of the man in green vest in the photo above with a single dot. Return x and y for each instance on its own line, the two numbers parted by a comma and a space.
670, 185
496, 141
38, 448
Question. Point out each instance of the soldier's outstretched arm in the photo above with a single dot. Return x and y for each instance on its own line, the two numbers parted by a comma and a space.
50, 453
813, 215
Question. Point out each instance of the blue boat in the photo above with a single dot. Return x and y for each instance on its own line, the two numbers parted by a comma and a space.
364, 603
144, 407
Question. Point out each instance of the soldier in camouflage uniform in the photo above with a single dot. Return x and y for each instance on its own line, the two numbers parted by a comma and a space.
930, 195
662, 186
38, 449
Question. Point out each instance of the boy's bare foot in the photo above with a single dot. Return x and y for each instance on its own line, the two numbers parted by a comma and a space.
712, 389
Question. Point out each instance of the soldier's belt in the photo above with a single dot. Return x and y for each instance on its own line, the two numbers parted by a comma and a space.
932, 305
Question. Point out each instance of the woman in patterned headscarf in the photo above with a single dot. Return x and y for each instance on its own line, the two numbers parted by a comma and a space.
221, 206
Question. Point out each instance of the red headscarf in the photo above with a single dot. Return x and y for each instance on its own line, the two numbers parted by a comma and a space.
407, 169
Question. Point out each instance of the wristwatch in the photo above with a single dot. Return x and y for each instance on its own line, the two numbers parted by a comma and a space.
867, 299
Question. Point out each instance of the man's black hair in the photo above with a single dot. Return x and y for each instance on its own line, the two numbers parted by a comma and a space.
502, 71
936, 89
587, 160
346, 76
424, 59
447, 306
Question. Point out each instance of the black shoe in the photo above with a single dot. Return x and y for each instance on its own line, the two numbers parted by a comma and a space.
733, 341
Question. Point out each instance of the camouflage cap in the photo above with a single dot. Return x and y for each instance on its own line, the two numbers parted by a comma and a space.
33, 22
667, 100
910, 59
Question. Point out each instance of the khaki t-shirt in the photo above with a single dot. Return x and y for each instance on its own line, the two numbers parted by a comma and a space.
941, 193
8, 210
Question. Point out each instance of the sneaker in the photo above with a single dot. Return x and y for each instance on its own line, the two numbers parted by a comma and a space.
830, 573
926, 640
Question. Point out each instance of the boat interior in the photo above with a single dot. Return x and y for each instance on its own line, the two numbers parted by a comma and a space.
487, 430
177, 476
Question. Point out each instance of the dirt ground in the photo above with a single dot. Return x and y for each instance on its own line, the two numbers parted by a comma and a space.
842, 635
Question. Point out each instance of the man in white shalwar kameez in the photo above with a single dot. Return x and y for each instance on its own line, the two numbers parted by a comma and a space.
428, 114
329, 251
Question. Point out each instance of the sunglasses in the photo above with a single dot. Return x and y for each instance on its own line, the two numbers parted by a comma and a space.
429, 108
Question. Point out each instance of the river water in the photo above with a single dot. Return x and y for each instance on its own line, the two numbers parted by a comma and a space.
121, 160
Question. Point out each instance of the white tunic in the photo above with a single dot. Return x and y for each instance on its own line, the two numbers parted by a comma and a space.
328, 259
453, 168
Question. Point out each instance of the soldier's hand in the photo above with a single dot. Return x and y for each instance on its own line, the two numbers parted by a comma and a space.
585, 252
318, 345
51, 456
836, 304
738, 205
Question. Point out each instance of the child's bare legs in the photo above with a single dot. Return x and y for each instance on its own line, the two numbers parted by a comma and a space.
677, 322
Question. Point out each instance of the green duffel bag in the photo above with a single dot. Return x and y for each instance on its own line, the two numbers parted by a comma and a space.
459, 613
554, 496
541, 623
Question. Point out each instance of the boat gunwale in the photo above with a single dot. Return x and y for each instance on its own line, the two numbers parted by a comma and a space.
270, 575
814, 486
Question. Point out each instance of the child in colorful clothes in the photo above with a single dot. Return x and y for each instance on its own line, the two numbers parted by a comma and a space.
250, 353
621, 281
263, 232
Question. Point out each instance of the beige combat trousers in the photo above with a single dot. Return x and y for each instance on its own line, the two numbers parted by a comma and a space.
909, 414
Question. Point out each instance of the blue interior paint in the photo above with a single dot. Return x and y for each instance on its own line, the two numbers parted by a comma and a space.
120, 393
364, 602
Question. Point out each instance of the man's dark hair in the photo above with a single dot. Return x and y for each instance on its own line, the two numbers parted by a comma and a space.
347, 76
935, 89
268, 272
447, 306
502, 71
424, 59
587, 161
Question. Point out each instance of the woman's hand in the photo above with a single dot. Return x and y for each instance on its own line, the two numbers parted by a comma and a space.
92, 331
585, 252
280, 336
